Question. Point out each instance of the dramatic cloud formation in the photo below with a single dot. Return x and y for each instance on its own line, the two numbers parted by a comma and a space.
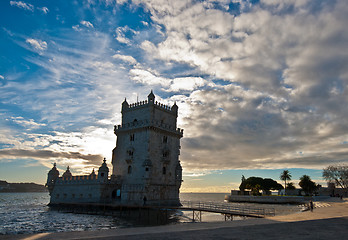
287, 84
259, 84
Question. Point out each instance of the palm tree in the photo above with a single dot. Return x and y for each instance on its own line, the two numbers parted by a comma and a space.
285, 176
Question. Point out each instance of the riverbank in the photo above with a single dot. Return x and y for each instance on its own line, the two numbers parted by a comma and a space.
329, 219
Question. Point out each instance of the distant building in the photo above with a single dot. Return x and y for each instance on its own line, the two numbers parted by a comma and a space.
146, 166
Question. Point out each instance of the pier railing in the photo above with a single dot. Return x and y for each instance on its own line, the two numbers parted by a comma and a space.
227, 208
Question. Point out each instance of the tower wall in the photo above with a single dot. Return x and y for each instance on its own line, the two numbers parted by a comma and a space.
146, 157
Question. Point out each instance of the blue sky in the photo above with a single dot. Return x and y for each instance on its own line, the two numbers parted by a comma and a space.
261, 85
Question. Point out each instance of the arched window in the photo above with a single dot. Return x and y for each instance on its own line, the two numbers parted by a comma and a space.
164, 170
165, 139
129, 169
131, 137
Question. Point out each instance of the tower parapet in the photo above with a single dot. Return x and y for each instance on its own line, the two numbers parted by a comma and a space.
141, 104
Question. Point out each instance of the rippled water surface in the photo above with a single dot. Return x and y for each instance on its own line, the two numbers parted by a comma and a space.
28, 213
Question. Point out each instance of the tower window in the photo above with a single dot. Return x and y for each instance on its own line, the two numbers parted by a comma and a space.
147, 169
130, 153
129, 169
164, 170
165, 153
131, 137
165, 139
102, 174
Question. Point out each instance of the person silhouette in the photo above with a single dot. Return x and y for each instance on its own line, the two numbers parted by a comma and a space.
311, 205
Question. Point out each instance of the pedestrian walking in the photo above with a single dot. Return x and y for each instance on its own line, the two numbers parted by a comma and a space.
311, 205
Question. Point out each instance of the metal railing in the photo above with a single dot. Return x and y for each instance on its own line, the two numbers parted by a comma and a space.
227, 208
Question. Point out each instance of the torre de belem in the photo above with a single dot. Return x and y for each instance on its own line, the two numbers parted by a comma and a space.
145, 161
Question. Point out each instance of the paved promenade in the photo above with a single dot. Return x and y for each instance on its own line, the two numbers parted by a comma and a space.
328, 221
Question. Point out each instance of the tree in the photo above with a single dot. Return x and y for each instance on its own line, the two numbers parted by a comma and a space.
285, 175
255, 184
290, 186
307, 185
269, 184
337, 174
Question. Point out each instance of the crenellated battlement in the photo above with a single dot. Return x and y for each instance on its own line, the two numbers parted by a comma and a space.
82, 179
145, 103
147, 123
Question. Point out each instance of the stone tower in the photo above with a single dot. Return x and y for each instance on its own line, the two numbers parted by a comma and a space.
146, 156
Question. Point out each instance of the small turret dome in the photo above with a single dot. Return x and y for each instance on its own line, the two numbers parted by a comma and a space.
103, 172
54, 171
175, 107
104, 167
53, 174
125, 103
67, 173
151, 97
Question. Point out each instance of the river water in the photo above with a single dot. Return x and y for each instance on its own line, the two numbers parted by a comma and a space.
28, 213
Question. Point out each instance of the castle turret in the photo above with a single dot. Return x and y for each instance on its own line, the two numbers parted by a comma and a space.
125, 104
92, 175
52, 176
103, 172
175, 109
151, 97
67, 174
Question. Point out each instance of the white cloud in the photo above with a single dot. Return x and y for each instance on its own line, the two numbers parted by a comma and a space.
187, 83
145, 23
121, 34
87, 24
76, 28
20, 4
148, 78
125, 58
44, 10
37, 44
2, 77
29, 123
